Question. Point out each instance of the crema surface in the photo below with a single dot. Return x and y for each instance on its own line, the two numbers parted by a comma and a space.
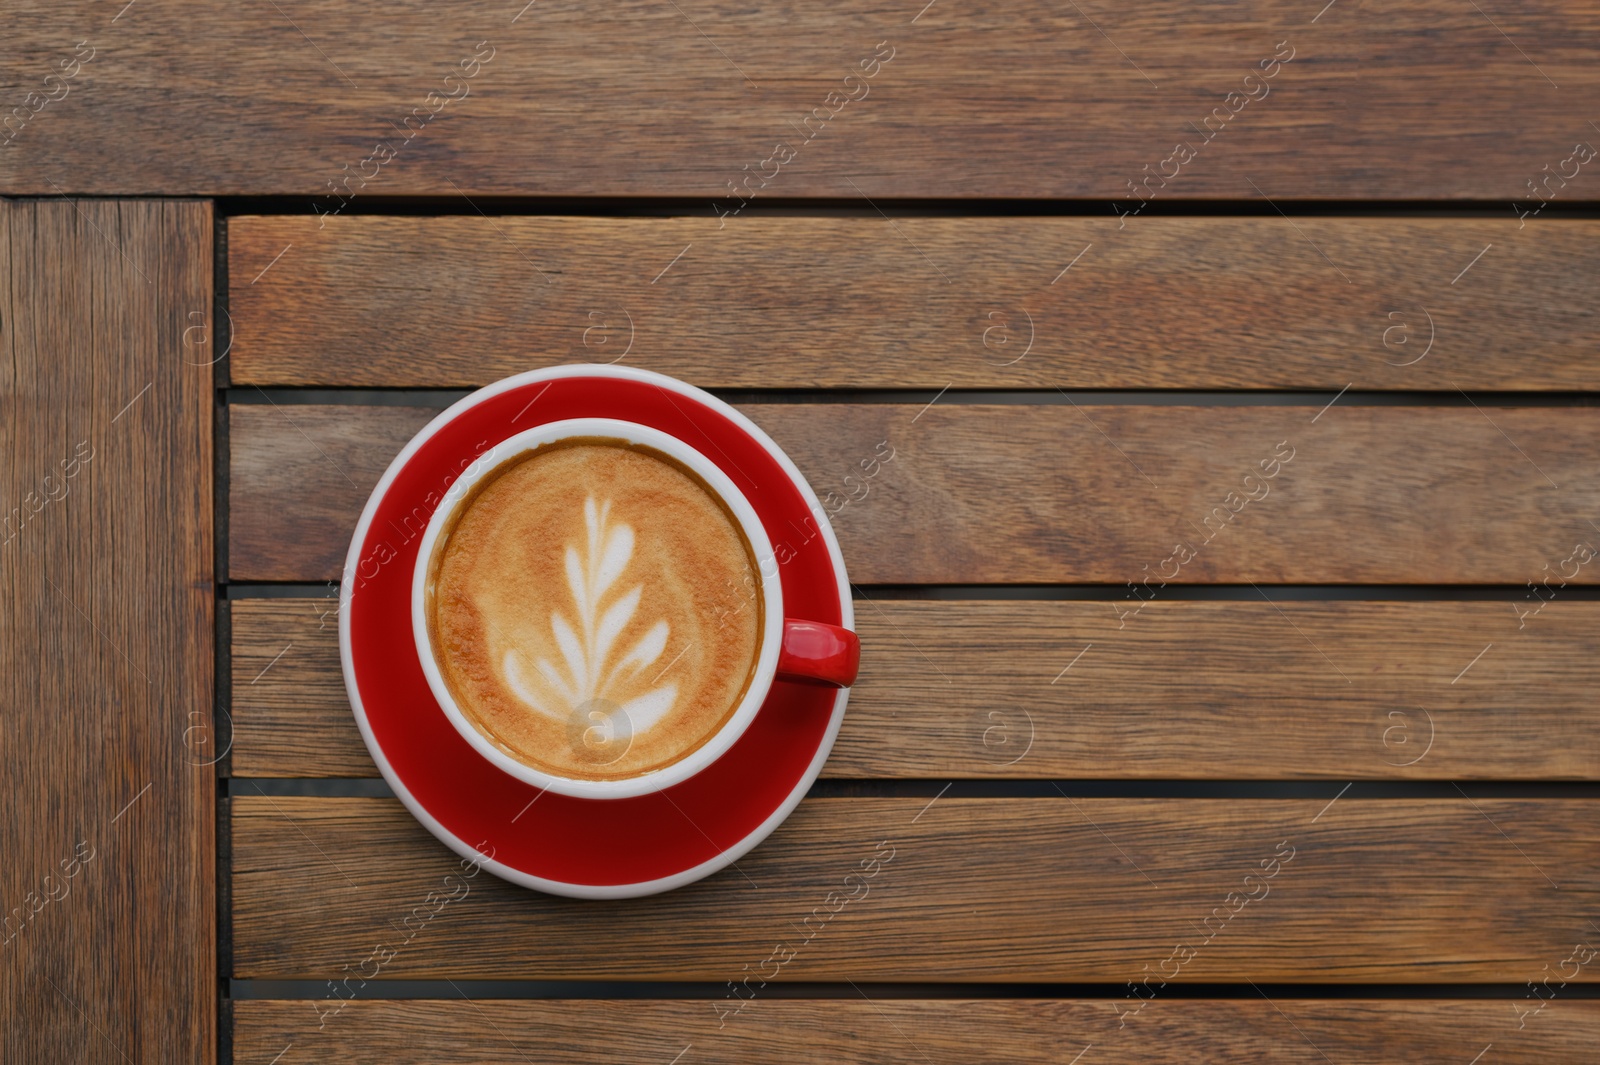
595, 610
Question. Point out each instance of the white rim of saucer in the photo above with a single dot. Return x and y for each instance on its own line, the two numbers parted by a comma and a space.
346, 593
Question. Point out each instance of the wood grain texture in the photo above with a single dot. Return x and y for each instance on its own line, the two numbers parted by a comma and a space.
1046, 889
1167, 1032
1223, 690
1235, 303
1063, 493
1425, 99
106, 644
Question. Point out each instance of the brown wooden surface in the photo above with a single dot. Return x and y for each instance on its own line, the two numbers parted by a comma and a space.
106, 656
1225, 690
849, 302
1425, 99
106, 800
1035, 889
1061, 493
870, 1029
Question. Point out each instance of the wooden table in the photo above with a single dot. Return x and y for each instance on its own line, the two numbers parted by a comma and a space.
1228, 606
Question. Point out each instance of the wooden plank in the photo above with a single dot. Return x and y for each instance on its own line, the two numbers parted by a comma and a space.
1167, 1032
1424, 99
1235, 303
1044, 889
107, 795
1065, 493
999, 689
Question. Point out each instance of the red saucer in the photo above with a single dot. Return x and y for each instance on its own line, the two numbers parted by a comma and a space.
589, 848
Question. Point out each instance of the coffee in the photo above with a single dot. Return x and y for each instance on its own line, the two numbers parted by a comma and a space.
594, 609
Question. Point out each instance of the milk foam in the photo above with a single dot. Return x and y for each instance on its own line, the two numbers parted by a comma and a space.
595, 609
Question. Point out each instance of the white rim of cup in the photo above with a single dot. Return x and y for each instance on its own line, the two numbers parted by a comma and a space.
763, 672
467, 850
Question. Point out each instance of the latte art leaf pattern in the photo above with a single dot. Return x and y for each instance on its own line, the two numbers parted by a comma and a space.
590, 610
589, 674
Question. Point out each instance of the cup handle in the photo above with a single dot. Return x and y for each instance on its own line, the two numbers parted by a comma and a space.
820, 654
